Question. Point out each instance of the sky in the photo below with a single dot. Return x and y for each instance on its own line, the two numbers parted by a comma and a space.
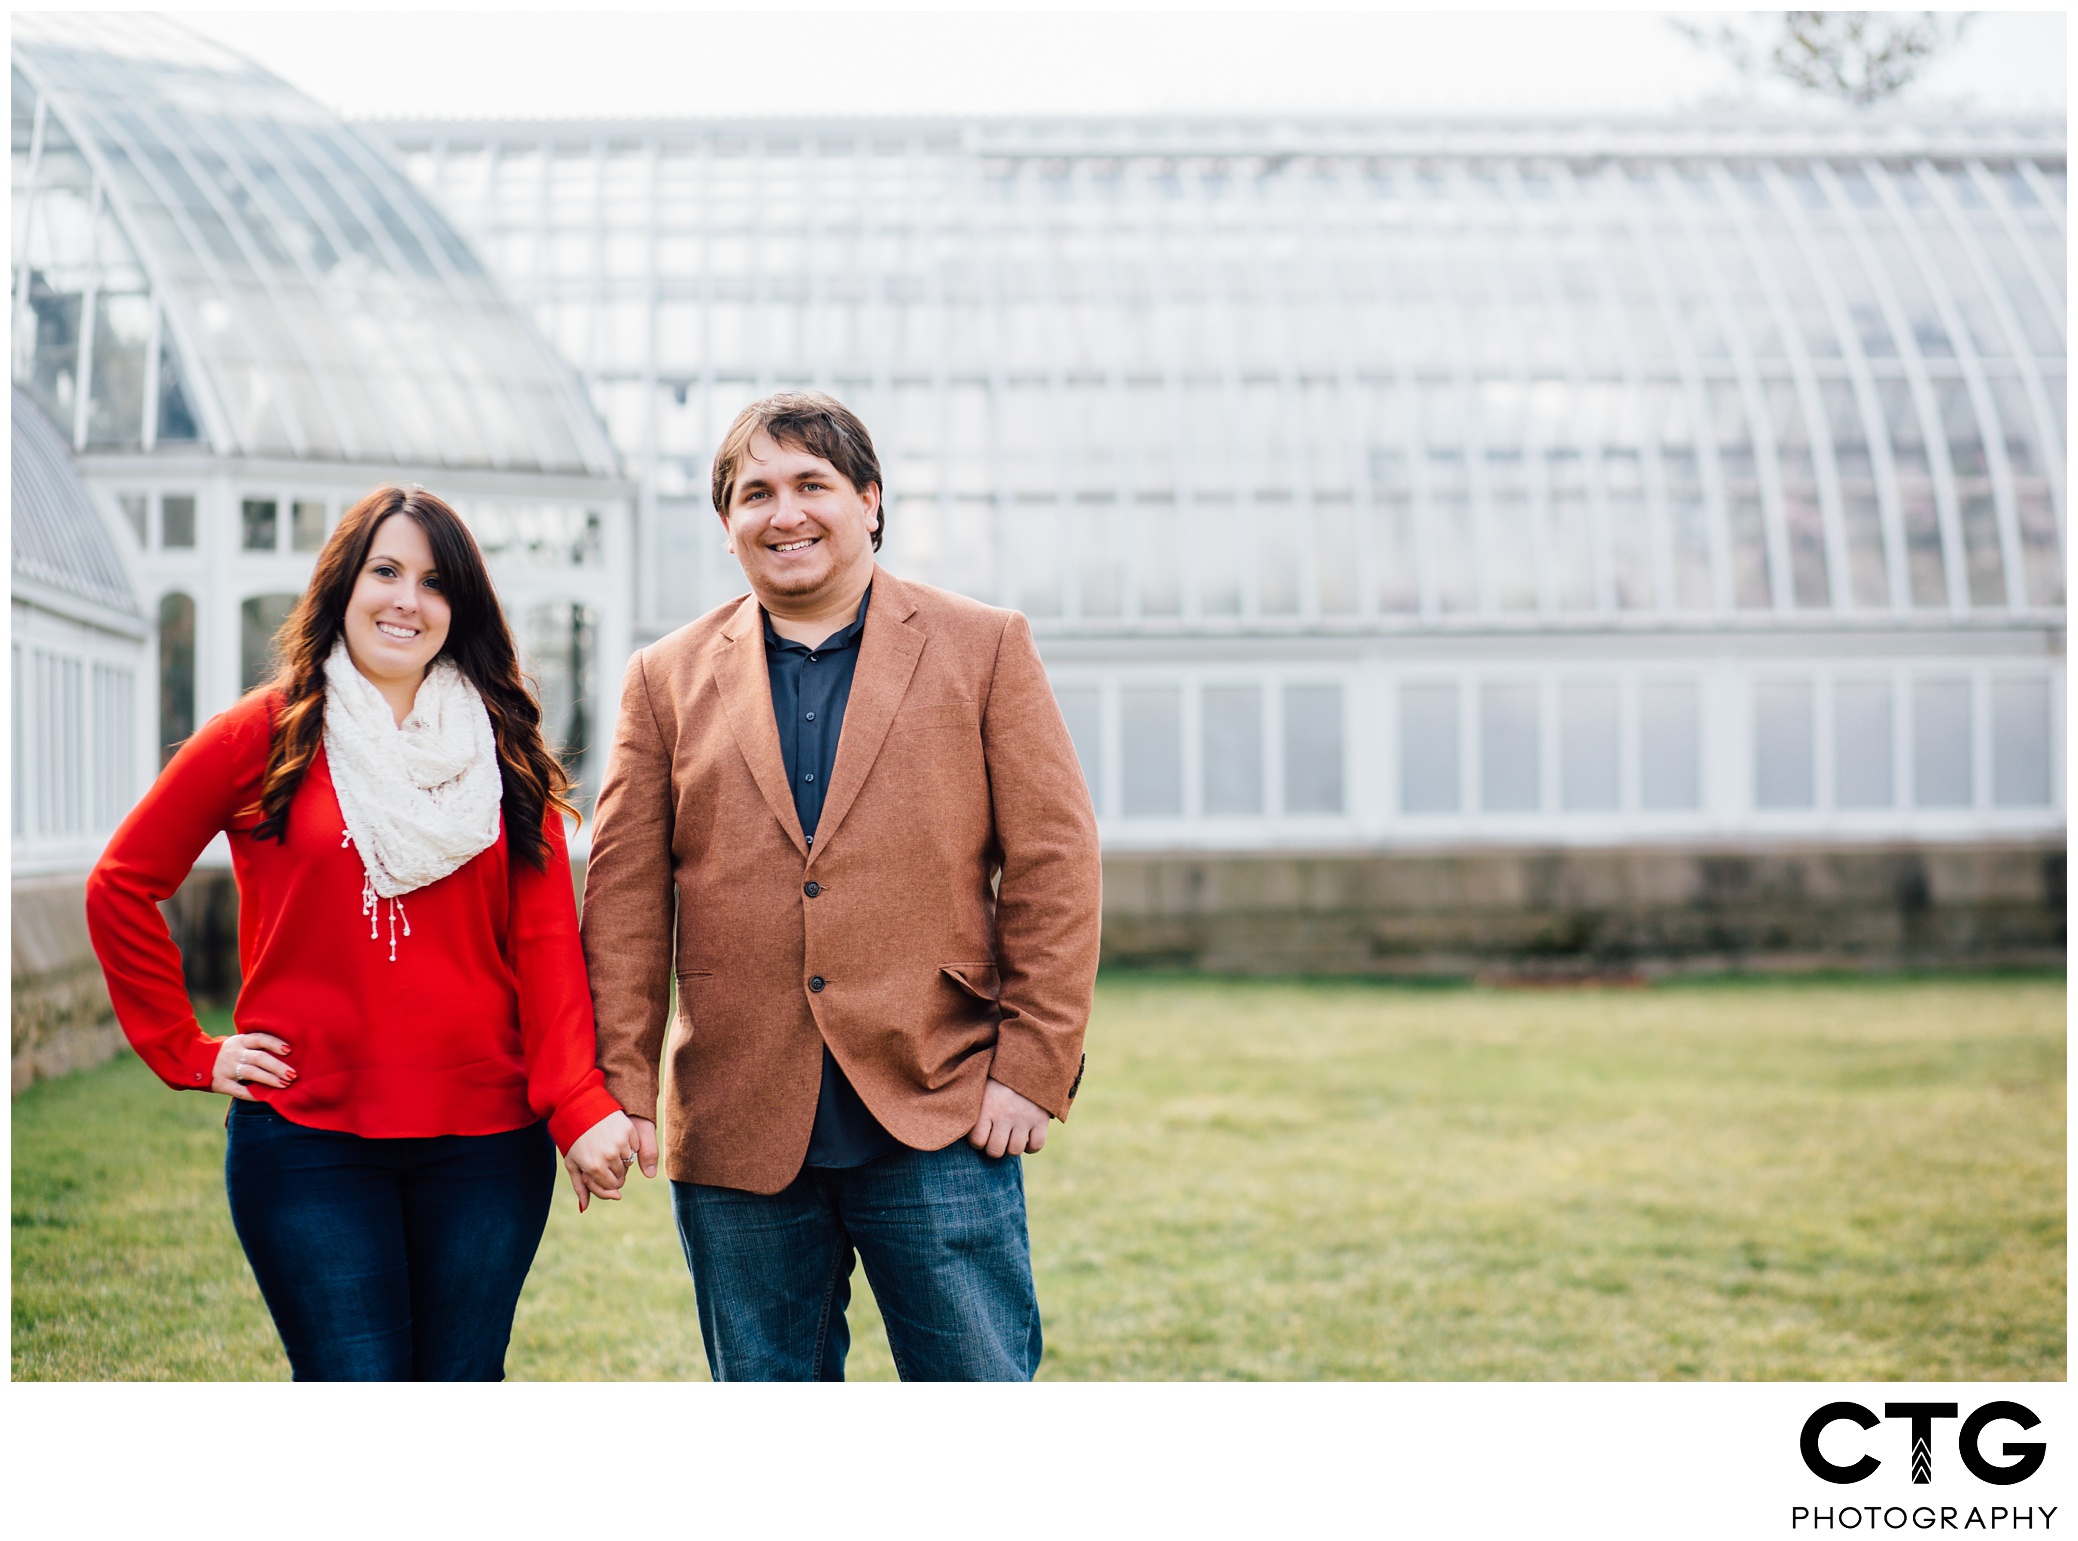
789, 62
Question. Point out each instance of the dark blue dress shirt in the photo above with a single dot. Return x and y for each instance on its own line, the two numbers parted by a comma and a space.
810, 687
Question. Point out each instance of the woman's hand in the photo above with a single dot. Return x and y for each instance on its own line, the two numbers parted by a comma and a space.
249, 1058
599, 1159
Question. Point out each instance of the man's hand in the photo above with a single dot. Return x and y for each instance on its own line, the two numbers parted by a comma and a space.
599, 1158
1010, 1125
645, 1145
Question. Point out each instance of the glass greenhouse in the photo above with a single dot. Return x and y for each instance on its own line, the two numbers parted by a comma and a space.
76, 648
1376, 484
240, 317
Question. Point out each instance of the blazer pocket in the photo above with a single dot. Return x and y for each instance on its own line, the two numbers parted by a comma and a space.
979, 980
946, 717
686, 986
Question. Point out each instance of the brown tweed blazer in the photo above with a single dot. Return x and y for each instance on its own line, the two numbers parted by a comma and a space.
942, 930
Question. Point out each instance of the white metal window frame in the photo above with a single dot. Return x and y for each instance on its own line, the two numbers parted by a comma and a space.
1727, 809
1274, 828
38, 632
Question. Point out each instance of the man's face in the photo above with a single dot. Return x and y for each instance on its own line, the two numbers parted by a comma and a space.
797, 526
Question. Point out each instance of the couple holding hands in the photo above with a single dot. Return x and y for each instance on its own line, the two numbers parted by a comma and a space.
842, 813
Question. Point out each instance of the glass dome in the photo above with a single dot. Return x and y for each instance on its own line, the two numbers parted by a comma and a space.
60, 546
1326, 374
202, 253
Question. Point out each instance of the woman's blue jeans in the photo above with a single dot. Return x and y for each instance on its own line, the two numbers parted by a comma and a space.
388, 1259
941, 1232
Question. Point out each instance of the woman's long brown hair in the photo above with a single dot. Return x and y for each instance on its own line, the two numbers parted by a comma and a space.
478, 640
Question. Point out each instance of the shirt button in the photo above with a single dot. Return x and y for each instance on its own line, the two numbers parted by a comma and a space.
812, 657
809, 777
816, 984
812, 889
811, 716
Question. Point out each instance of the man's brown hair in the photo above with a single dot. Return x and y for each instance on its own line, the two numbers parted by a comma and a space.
813, 423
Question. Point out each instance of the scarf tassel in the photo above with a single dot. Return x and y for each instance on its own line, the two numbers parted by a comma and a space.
371, 905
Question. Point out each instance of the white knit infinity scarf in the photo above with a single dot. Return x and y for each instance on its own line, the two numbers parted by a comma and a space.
419, 799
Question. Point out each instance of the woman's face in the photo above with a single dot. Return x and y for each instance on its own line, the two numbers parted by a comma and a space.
396, 620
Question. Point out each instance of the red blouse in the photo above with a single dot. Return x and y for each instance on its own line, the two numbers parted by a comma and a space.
482, 1024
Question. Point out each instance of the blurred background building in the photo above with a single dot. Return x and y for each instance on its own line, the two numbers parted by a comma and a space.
1684, 491
1555, 544
232, 317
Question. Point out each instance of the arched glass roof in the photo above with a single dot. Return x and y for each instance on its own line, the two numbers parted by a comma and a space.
1324, 373
59, 544
200, 252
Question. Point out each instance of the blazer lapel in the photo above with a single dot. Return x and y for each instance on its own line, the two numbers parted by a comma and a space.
888, 651
746, 690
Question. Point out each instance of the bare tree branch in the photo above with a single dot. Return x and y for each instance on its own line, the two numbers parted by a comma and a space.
1857, 57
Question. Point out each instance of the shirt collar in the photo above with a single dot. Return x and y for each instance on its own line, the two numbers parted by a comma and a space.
830, 644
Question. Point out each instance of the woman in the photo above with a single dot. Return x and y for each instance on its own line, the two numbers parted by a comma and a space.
414, 1025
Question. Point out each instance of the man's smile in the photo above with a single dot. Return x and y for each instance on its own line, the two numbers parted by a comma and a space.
798, 545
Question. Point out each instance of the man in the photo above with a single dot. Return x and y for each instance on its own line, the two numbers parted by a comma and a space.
862, 795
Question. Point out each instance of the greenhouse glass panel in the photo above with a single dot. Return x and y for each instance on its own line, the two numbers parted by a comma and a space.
2040, 543
19, 727
1428, 749
1590, 747
1669, 746
1151, 751
1941, 740
1509, 748
1082, 710
1863, 754
258, 523
259, 622
114, 719
177, 521
1973, 487
1802, 518
559, 638
176, 673
1233, 750
1782, 744
122, 340
2020, 748
1868, 569
1928, 571
1312, 748
307, 525
1737, 465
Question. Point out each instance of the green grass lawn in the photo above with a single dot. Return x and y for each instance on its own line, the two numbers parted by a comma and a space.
1827, 1180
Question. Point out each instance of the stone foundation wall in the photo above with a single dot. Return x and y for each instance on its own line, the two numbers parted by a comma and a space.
1517, 913
62, 1020
1491, 913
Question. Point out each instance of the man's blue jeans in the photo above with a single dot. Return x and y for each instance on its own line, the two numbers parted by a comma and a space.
942, 1235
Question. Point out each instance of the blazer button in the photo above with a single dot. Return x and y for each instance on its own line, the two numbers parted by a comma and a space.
816, 984
812, 889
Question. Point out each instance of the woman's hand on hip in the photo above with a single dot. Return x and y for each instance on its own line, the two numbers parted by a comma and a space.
245, 1060
599, 1159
